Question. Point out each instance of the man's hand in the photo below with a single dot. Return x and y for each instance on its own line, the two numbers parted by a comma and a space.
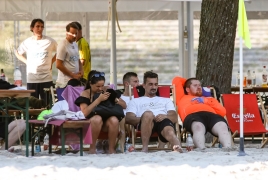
198, 100
160, 117
76, 76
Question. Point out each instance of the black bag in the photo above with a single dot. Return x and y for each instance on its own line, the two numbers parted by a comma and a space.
107, 109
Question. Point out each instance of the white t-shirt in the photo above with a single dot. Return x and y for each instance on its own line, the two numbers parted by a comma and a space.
39, 58
68, 53
127, 100
158, 105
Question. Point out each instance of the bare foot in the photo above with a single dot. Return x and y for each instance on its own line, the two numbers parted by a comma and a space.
92, 151
144, 150
177, 148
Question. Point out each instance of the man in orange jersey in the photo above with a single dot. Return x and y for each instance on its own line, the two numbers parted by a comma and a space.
201, 114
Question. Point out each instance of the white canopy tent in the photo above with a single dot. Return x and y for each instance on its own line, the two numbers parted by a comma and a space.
86, 11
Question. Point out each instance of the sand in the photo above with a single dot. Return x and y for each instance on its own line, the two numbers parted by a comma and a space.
207, 164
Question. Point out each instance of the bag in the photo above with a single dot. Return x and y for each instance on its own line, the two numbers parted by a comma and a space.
107, 109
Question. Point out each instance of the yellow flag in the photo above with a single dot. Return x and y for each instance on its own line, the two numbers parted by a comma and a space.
243, 24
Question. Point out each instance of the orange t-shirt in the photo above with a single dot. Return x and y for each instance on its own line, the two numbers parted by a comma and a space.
186, 106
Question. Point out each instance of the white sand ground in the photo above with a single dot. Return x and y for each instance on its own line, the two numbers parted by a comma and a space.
209, 164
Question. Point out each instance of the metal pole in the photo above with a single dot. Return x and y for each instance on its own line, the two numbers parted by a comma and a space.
113, 72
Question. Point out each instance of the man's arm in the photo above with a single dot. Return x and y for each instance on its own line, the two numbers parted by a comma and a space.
20, 57
132, 119
64, 70
171, 115
53, 60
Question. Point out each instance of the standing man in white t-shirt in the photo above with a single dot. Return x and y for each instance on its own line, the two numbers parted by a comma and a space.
130, 78
151, 113
68, 63
39, 50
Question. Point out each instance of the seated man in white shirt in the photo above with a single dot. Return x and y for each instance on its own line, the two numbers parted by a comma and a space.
151, 113
130, 78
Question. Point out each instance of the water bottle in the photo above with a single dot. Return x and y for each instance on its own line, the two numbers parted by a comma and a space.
189, 142
17, 77
238, 79
253, 76
46, 142
264, 77
128, 147
37, 145
249, 79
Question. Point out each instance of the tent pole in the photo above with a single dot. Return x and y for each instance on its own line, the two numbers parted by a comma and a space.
113, 75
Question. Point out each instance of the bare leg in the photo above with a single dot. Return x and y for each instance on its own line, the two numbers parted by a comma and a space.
96, 124
146, 129
112, 124
199, 131
220, 129
169, 134
15, 129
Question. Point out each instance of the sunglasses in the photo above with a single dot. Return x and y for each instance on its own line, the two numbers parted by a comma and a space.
98, 75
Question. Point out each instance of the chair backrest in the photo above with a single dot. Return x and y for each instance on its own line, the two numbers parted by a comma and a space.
59, 92
252, 120
163, 91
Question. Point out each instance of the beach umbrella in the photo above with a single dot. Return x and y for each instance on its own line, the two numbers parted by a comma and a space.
243, 36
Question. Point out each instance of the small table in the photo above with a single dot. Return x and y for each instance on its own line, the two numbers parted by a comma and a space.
6, 96
246, 90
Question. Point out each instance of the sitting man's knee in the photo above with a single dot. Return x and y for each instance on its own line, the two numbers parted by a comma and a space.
148, 114
197, 127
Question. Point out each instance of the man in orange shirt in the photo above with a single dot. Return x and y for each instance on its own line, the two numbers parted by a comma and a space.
201, 114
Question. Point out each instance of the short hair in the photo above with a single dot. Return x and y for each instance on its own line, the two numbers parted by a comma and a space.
128, 75
71, 25
78, 25
35, 21
188, 83
149, 74
91, 79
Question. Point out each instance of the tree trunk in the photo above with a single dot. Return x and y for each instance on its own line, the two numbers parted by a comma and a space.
216, 43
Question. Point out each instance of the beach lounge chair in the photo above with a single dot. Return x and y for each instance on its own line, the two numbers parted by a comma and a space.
253, 124
178, 83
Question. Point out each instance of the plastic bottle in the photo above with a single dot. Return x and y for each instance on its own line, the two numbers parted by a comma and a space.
253, 76
17, 77
189, 142
264, 77
238, 79
249, 79
245, 82
128, 147
37, 145
46, 142
2, 76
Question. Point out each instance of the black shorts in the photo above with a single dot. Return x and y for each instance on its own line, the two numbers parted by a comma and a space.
208, 119
159, 126
39, 89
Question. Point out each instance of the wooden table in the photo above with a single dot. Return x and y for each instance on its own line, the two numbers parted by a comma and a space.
6, 96
245, 89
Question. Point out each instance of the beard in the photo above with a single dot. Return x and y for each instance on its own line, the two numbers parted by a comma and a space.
198, 93
152, 92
